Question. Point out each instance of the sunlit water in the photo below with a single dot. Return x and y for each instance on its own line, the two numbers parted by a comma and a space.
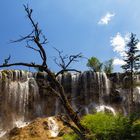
102, 108
53, 127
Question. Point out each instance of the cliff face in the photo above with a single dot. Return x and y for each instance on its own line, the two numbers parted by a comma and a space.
23, 95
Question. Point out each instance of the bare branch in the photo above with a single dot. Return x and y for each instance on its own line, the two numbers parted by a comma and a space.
73, 58
62, 62
35, 36
37, 33
21, 64
29, 11
65, 61
37, 50
30, 47
45, 40
66, 70
7, 60
22, 38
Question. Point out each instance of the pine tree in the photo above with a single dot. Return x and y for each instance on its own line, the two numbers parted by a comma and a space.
132, 64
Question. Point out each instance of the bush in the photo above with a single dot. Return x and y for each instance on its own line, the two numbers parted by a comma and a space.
107, 126
70, 136
136, 130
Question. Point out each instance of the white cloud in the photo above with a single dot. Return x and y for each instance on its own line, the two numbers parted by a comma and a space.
118, 61
105, 20
118, 42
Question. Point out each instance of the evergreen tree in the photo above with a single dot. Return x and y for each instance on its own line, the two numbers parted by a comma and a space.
132, 64
132, 55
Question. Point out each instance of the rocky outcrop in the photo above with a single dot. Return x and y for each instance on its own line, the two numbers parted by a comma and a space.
39, 129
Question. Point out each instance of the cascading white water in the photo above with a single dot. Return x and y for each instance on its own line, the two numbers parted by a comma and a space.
137, 94
57, 102
103, 108
106, 84
99, 81
90, 89
2, 133
17, 90
74, 81
53, 127
23, 98
21, 123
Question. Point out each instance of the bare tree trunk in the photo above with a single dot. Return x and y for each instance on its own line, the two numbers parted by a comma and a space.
72, 114
131, 107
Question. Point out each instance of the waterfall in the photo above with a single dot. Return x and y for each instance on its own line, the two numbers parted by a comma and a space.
87, 90
23, 96
19, 97
74, 80
137, 94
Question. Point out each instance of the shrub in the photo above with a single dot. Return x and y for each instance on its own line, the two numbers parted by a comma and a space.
107, 126
136, 130
70, 136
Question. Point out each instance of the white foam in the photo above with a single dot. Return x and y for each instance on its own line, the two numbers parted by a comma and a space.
21, 123
2, 133
102, 108
53, 127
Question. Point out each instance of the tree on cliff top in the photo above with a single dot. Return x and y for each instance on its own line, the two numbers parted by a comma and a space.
94, 64
37, 38
108, 66
97, 66
132, 64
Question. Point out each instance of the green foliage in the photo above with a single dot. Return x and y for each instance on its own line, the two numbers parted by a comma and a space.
70, 136
108, 66
107, 126
94, 64
134, 117
136, 130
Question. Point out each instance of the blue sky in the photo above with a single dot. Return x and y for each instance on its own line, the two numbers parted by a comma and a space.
94, 28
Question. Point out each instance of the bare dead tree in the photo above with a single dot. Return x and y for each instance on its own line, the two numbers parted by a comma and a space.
38, 38
64, 61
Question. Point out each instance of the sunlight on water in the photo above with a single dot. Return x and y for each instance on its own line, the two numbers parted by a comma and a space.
53, 127
2, 133
21, 123
102, 108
